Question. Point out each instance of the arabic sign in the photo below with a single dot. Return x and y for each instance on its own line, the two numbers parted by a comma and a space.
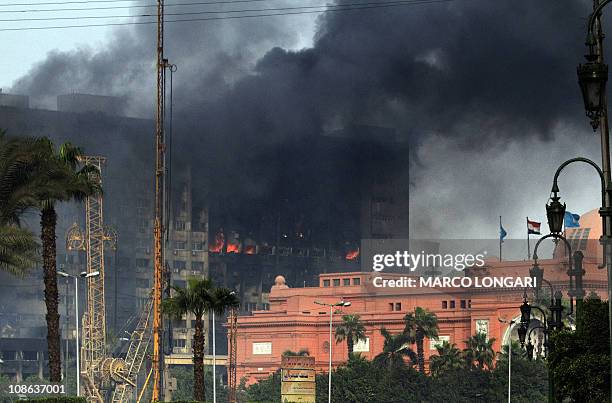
298, 379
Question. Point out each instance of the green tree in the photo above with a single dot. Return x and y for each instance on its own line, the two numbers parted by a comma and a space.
419, 325
195, 299
352, 330
479, 351
396, 349
18, 166
449, 358
580, 359
303, 352
58, 179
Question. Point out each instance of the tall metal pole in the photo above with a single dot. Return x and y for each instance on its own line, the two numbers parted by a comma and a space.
159, 207
605, 165
78, 348
331, 313
510, 362
214, 360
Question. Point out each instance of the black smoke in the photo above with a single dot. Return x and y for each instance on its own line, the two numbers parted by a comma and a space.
250, 109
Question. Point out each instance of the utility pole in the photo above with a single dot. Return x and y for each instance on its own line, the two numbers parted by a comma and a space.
158, 233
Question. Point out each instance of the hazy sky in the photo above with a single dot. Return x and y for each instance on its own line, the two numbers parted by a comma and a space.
23, 49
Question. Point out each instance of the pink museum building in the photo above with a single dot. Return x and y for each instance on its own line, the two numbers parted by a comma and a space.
295, 322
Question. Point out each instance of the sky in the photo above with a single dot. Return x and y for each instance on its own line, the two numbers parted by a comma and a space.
25, 48
484, 92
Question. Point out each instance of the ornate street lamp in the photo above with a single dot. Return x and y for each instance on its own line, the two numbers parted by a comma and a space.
555, 212
592, 77
529, 347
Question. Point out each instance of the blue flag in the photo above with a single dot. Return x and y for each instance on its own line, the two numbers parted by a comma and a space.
502, 233
571, 220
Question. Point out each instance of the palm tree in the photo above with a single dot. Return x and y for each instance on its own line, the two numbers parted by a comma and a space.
303, 352
195, 299
351, 330
221, 299
419, 325
18, 164
395, 350
58, 179
479, 351
449, 358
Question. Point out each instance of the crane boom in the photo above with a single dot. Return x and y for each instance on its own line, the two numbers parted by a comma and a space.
94, 320
158, 231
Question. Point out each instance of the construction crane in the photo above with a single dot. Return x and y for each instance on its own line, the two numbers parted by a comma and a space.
139, 341
231, 371
158, 230
94, 319
100, 371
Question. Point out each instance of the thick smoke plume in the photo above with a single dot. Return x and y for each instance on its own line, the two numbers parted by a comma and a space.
461, 82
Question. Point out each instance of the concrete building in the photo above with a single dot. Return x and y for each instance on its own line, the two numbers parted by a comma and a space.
294, 322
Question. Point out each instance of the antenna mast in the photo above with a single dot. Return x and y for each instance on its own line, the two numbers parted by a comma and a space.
159, 206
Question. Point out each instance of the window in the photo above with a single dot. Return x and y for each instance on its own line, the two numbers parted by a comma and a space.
391, 306
325, 283
179, 264
9, 355
444, 304
179, 225
179, 324
469, 304
336, 282
452, 304
197, 245
398, 306
463, 304
179, 343
30, 355
346, 281
180, 245
142, 262
356, 281
197, 266
265, 306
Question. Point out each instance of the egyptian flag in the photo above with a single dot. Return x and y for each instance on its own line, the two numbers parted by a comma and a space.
533, 227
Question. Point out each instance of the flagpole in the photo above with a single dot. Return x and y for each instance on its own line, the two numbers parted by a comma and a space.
528, 246
500, 240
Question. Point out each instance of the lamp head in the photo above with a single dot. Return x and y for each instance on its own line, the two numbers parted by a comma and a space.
592, 78
555, 213
525, 313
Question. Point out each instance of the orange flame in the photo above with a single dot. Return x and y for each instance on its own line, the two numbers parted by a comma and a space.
233, 248
249, 249
217, 246
352, 254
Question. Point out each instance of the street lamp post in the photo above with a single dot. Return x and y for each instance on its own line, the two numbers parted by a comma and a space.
510, 323
214, 354
593, 77
331, 314
76, 319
